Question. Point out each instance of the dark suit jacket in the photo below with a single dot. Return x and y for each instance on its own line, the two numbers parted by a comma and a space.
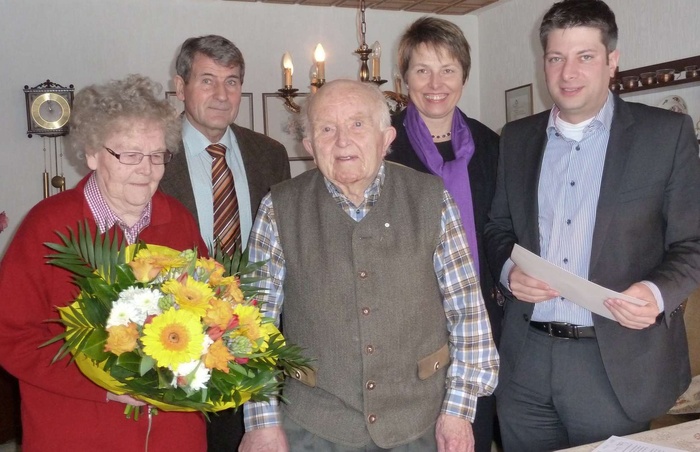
647, 227
265, 161
482, 179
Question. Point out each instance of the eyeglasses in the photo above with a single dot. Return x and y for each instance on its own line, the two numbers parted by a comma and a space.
134, 158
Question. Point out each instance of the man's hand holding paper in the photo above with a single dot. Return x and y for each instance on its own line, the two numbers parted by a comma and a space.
597, 299
527, 288
632, 315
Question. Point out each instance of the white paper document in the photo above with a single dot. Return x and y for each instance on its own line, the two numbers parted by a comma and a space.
617, 444
574, 288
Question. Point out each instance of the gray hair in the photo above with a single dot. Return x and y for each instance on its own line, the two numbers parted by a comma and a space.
99, 109
218, 48
376, 99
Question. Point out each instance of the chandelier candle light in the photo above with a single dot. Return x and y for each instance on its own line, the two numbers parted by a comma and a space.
317, 73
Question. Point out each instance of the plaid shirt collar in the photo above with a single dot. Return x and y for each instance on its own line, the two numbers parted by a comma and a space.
105, 218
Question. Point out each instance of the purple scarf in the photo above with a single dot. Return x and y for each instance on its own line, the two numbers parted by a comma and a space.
454, 173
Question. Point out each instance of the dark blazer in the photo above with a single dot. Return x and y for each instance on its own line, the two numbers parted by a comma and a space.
482, 179
647, 227
265, 161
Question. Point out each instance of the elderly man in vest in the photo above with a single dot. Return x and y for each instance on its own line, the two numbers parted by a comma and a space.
368, 265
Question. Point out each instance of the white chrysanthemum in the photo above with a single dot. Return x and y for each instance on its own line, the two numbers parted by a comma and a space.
145, 300
122, 313
194, 372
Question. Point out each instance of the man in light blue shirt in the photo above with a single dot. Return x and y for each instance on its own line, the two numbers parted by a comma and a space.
210, 71
610, 191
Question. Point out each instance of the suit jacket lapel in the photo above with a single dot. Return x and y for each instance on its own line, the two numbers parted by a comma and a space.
178, 183
248, 152
529, 169
616, 157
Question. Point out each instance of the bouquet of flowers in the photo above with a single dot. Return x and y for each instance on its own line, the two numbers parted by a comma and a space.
178, 331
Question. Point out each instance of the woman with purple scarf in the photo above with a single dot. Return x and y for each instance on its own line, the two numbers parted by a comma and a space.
434, 136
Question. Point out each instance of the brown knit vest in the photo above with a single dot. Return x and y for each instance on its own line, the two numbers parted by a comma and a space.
363, 300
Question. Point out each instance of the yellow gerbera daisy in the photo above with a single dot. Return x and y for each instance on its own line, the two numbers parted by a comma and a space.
173, 338
149, 263
190, 294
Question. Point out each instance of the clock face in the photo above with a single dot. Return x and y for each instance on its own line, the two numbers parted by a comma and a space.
50, 111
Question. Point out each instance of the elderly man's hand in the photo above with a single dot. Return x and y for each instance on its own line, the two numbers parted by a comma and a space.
454, 434
268, 439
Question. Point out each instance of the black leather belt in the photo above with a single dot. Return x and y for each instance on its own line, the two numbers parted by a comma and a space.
565, 330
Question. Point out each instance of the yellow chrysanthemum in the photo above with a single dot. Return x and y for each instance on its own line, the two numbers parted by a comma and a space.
173, 338
191, 295
218, 356
248, 322
219, 313
149, 263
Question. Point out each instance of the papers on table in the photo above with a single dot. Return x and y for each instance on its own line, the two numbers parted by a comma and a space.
574, 288
617, 444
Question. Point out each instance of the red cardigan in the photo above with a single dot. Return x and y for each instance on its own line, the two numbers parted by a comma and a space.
61, 409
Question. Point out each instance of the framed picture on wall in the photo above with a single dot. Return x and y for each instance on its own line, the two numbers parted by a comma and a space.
245, 111
518, 102
282, 125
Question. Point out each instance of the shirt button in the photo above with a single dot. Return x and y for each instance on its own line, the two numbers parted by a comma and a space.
578, 148
568, 221
363, 274
369, 349
365, 311
566, 260
370, 385
572, 183
372, 418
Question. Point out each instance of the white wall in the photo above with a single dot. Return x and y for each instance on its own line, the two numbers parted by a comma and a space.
81, 42
651, 31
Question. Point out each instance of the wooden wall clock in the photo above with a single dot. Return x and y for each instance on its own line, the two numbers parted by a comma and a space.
48, 109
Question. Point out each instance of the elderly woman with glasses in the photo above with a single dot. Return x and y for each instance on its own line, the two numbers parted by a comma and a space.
126, 133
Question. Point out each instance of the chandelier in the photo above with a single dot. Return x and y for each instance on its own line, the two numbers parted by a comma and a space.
396, 100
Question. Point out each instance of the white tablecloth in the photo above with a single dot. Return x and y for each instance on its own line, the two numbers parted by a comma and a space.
684, 436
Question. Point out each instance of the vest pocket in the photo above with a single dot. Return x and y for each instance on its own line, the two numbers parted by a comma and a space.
434, 362
306, 376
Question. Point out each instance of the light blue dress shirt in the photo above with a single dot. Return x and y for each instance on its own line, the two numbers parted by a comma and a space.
199, 166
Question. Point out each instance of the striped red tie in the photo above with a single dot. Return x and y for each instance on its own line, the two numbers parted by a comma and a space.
227, 224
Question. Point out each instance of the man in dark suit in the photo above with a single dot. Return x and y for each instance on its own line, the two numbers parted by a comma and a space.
210, 71
610, 191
